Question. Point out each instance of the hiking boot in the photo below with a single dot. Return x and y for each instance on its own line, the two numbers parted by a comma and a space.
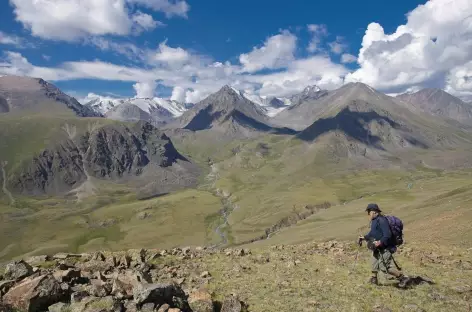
404, 280
373, 280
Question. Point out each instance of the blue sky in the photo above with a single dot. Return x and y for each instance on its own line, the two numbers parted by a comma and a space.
188, 49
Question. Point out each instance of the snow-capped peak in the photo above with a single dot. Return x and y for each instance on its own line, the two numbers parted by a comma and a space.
271, 105
100, 104
311, 89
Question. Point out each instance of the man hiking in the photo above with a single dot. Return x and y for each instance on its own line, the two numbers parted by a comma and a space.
381, 241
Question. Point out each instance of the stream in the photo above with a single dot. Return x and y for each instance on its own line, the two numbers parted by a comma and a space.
4, 186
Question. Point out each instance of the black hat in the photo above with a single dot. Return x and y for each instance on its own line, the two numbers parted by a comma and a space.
373, 207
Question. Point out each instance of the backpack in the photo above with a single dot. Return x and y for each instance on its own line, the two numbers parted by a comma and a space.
396, 227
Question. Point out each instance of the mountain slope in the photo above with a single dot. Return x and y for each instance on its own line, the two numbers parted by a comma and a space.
439, 103
369, 119
127, 112
227, 111
303, 109
72, 153
34, 95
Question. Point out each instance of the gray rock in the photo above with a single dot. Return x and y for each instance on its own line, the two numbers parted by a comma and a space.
156, 293
93, 304
5, 286
67, 275
58, 307
200, 301
36, 260
148, 307
17, 270
231, 304
35, 294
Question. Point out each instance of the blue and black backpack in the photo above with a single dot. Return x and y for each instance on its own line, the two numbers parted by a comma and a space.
396, 227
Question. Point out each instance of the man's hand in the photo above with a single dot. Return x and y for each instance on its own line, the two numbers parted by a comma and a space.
377, 243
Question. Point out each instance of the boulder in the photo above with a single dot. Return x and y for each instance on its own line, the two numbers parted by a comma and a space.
58, 307
95, 266
35, 294
67, 276
148, 307
157, 293
231, 304
17, 270
164, 308
93, 304
62, 256
124, 283
37, 260
200, 301
99, 288
5, 286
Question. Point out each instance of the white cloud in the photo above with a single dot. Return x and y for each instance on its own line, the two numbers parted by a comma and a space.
316, 70
348, 58
338, 46
46, 57
317, 32
144, 22
127, 49
145, 89
277, 52
178, 94
170, 8
435, 42
71, 20
10, 39
195, 96
191, 76
173, 57
459, 81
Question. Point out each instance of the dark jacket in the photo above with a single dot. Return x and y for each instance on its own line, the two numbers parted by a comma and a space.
380, 230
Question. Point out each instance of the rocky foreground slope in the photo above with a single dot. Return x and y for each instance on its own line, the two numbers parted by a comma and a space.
328, 276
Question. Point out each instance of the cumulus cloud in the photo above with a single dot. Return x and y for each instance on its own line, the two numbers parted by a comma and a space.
277, 52
144, 22
348, 58
170, 8
173, 57
71, 20
317, 32
10, 39
145, 89
433, 48
178, 94
338, 46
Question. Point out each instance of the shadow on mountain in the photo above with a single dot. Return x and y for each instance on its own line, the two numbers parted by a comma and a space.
249, 122
203, 120
352, 123
206, 119
4, 105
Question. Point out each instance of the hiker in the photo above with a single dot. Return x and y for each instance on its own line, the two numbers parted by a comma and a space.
381, 241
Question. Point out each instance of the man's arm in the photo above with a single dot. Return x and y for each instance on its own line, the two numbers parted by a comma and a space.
386, 233
369, 235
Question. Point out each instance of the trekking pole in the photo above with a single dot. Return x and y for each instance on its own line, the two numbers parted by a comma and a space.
357, 255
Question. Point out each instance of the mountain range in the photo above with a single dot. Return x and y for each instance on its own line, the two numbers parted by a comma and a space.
353, 121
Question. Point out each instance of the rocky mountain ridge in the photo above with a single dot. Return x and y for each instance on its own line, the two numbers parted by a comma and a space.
33, 95
439, 103
201, 279
113, 152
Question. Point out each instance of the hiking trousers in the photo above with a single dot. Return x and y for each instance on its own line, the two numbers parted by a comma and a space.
381, 260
